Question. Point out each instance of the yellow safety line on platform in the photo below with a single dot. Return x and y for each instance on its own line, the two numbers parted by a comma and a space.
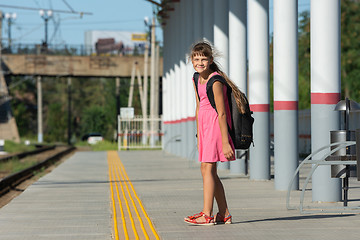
122, 179
141, 205
121, 210
134, 205
113, 205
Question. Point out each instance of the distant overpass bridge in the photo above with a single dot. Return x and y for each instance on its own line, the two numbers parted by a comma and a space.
76, 66
60, 66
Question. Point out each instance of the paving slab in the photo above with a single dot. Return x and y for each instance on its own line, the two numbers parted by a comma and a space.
71, 202
171, 188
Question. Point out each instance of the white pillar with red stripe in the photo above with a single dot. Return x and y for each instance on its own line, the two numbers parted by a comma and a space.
325, 90
165, 87
172, 82
208, 19
259, 85
197, 20
286, 152
185, 93
221, 33
181, 110
238, 62
191, 102
221, 43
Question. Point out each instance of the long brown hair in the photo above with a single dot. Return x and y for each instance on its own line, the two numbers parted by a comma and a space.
204, 48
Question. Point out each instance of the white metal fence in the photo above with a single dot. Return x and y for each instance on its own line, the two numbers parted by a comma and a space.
139, 133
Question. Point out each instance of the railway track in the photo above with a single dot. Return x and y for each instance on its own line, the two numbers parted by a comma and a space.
27, 153
11, 181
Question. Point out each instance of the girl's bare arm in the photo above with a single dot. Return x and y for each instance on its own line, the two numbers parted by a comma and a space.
220, 107
196, 114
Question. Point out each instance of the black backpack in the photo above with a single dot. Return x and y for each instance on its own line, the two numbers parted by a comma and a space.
241, 131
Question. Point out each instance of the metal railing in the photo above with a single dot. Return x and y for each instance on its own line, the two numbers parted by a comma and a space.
316, 162
132, 134
66, 50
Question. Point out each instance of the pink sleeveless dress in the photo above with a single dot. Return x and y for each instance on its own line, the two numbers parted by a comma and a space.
210, 142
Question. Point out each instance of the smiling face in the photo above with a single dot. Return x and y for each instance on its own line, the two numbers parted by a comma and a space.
201, 63
202, 57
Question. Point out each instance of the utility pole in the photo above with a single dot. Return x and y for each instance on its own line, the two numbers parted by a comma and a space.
1, 84
10, 17
156, 89
39, 109
146, 66
152, 83
46, 15
117, 91
132, 82
157, 79
69, 110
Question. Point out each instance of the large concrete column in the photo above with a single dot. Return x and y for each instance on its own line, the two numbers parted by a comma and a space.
166, 88
191, 101
184, 95
238, 61
197, 20
208, 20
179, 128
179, 71
221, 32
165, 100
169, 62
221, 43
285, 93
325, 90
258, 42
176, 126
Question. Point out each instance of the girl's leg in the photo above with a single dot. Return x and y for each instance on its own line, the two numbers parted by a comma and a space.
207, 170
220, 196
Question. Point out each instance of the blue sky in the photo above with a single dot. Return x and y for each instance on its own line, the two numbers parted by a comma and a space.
122, 15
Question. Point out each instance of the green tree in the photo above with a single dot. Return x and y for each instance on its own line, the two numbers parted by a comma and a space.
304, 60
350, 52
93, 120
350, 49
23, 104
56, 124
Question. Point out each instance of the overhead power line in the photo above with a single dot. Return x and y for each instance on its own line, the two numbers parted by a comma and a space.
68, 5
120, 21
37, 9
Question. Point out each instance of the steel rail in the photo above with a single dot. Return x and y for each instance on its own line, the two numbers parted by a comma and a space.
25, 154
11, 181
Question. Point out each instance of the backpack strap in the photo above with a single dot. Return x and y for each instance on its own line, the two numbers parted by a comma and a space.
209, 90
210, 95
196, 79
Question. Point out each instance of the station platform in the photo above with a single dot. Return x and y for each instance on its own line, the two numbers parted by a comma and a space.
146, 195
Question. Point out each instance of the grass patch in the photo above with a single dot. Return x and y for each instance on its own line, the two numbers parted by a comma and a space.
111, 146
140, 149
99, 146
104, 146
15, 165
13, 147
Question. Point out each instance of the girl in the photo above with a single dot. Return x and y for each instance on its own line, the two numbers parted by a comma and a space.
213, 140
